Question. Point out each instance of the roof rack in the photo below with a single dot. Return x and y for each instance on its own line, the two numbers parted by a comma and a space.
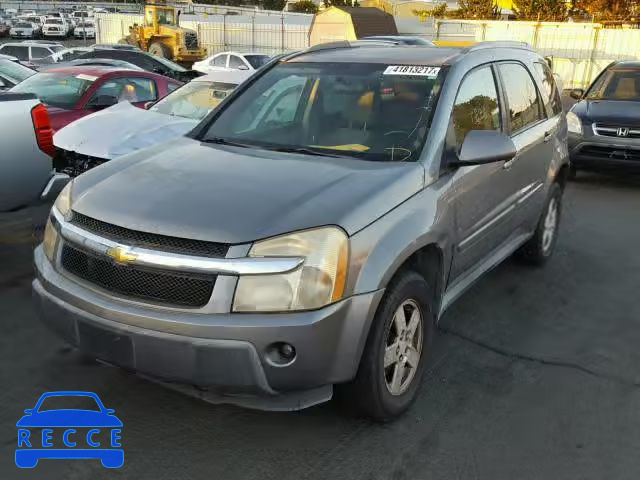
353, 44
499, 44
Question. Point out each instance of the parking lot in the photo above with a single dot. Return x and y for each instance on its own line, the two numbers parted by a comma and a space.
535, 377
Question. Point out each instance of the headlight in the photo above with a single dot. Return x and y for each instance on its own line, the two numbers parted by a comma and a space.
574, 124
319, 281
63, 202
49, 241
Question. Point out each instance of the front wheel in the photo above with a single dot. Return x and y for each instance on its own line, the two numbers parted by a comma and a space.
399, 342
540, 246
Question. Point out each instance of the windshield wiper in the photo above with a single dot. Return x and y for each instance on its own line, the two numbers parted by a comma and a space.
224, 141
303, 150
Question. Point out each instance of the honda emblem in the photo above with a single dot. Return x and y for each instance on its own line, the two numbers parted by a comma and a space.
623, 132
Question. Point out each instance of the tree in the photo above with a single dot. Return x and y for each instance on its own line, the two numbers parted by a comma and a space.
438, 11
274, 4
541, 10
477, 9
304, 6
340, 3
608, 9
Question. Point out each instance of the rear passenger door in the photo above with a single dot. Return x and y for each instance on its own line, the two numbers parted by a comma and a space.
483, 193
531, 131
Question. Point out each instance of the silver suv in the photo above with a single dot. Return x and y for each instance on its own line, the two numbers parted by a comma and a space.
311, 231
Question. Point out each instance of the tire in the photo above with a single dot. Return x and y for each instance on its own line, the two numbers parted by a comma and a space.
539, 247
370, 393
160, 50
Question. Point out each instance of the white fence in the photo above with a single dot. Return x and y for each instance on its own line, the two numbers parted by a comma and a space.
222, 32
579, 50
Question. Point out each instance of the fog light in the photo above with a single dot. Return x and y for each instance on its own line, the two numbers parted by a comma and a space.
281, 354
287, 351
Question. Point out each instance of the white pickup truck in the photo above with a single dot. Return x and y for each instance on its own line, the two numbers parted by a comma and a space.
27, 177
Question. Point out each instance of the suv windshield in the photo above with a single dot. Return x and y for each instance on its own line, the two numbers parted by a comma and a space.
194, 100
370, 111
616, 84
55, 89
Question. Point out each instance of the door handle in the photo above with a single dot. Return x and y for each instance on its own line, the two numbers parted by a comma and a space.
508, 164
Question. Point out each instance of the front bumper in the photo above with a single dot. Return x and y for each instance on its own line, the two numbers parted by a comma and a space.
602, 153
225, 355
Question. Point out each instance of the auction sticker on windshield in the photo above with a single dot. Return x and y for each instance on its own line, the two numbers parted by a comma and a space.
416, 70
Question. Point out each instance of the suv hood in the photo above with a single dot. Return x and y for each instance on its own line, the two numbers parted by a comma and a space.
119, 130
237, 195
616, 112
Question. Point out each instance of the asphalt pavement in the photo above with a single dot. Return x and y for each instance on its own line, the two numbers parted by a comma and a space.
535, 377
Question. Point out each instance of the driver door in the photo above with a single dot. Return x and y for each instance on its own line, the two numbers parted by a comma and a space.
483, 193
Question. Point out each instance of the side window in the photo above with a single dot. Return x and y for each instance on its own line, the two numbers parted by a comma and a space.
219, 61
128, 90
525, 107
476, 106
21, 53
236, 62
550, 93
172, 87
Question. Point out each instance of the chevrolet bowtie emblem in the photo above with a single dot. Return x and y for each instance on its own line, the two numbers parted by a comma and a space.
121, 255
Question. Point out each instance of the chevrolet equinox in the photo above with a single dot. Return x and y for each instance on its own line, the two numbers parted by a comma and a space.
308, 234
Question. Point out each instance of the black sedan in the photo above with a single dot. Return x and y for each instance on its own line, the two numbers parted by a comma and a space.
146, 61
604, 126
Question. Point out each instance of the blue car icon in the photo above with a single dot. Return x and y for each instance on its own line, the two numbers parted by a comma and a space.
34, 444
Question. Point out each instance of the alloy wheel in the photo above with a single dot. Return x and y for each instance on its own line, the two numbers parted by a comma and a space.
550, 225
403, 347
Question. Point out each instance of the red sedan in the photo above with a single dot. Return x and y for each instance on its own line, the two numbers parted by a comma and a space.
73, 92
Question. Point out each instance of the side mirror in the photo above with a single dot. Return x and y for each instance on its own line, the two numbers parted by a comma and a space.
103, 101
576, 93
485, 146
148, 105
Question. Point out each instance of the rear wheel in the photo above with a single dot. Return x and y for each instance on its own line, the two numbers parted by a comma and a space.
160, 50
398, 345
540, 246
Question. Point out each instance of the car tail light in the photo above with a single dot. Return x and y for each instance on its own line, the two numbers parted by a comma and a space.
42, 127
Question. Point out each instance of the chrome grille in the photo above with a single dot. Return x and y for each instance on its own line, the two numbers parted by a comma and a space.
619, 131
152, 241
158, 286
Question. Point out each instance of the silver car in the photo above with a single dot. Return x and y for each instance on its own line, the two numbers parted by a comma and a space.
308, 234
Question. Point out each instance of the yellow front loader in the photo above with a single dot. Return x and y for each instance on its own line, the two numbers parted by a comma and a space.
161, 35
